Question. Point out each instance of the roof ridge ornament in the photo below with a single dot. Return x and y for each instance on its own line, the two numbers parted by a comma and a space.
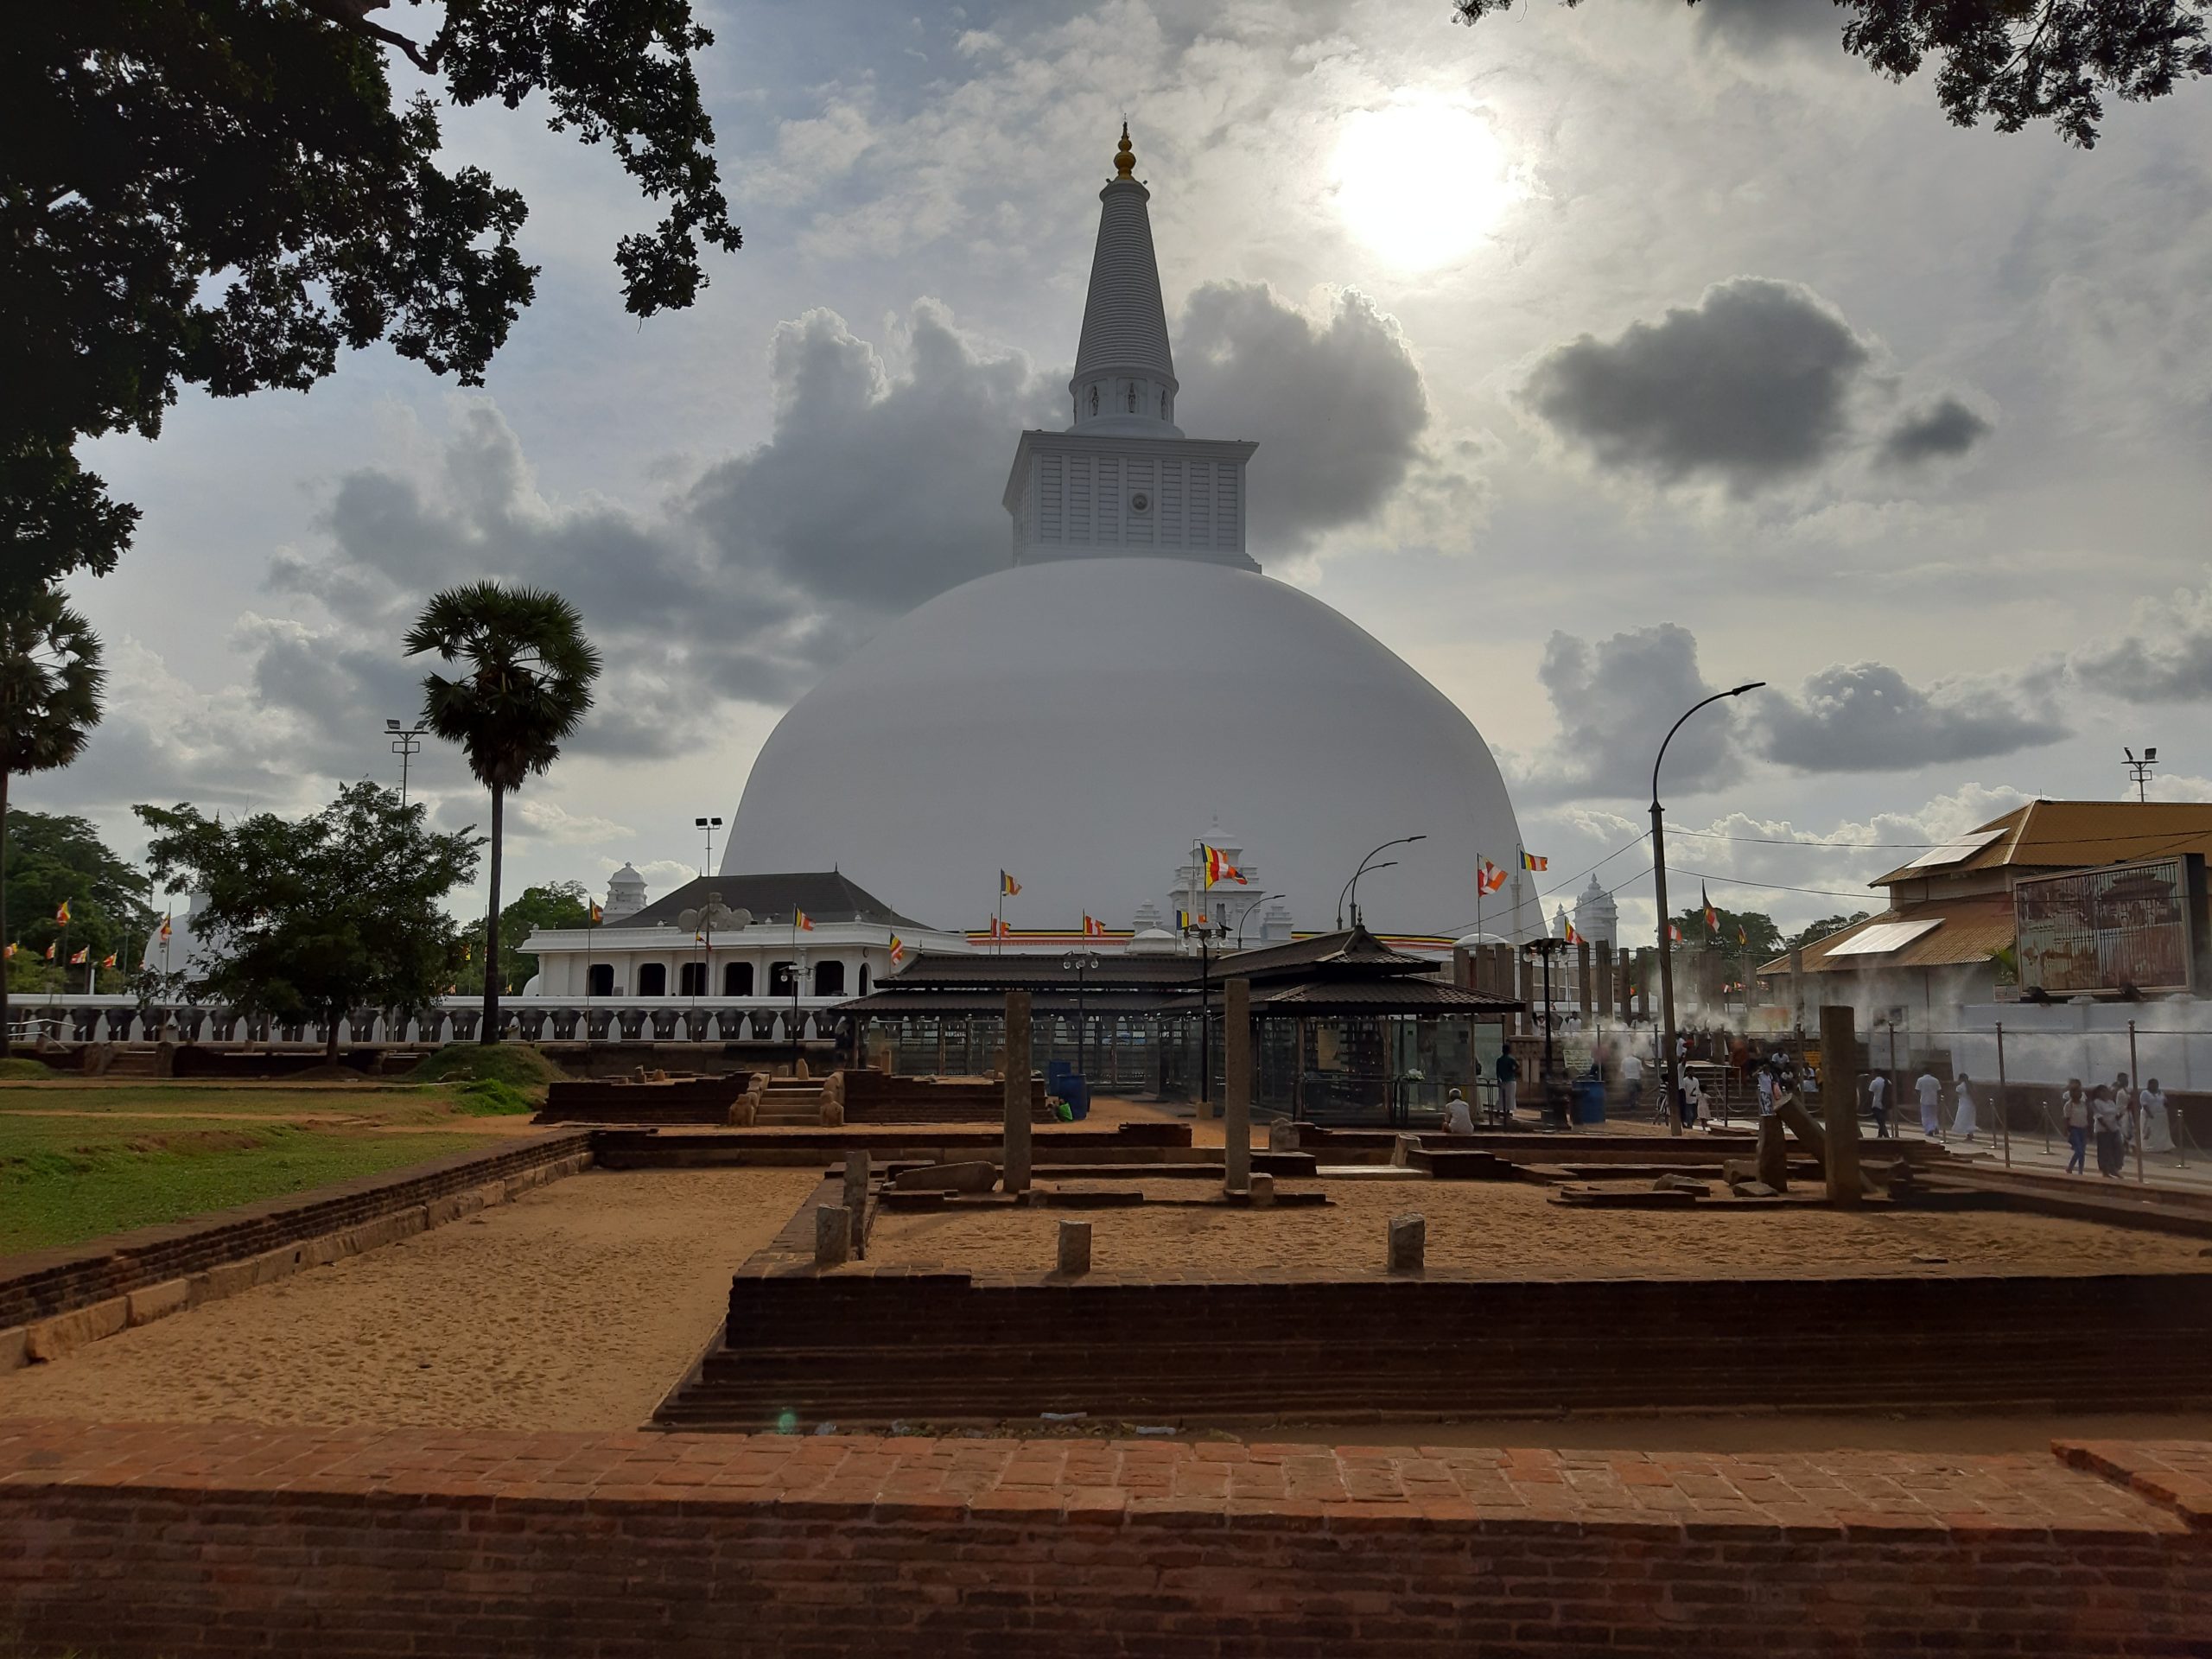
1125, 158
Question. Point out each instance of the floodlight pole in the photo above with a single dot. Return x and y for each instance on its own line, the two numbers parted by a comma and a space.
1668, 1069
405, 743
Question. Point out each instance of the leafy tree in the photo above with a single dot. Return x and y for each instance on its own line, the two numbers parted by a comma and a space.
561, 904
2017, 60
1820, 930
310, 918
526, 685
49, 858
1736, 927
50, 680
222, 194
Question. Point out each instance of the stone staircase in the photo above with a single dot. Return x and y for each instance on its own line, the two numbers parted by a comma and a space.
790, 1104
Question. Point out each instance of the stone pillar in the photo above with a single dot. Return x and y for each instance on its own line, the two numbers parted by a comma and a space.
833, 1236
1014, 1157
1408, 1243
1840, 1103
1462, 968
1603, 969
1774, 1153
856, 1197
1075, 1247
1582, 978
1236, 1085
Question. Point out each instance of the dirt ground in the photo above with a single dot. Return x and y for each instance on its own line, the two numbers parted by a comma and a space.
1506, 1228
575, 1307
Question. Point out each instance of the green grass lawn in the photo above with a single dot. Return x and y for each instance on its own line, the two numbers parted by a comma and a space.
142, 1152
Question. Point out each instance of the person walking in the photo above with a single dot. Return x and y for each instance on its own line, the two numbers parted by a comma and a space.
1878, 1097
1963, 1125
2107, 1116
1632, 1080
1693, 1111
1767, 1083
1509, 1084
2150, 1113
2074, 1113
1931, 1106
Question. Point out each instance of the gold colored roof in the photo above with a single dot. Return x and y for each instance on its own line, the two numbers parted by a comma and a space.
2079, 834
1972, 930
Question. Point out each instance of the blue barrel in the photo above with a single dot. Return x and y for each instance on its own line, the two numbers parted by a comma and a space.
1589, 1100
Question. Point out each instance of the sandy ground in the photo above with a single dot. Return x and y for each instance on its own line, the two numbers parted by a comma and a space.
1505, 1229
575, 1307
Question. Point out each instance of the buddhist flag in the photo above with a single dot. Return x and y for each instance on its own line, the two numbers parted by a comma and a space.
61, 913
1712, 916
1573, 938
9, 953
1007, 886
801, 920
1092, 927
49, 953
165, 930
108, 961
898, 950
1742, 937
1489, 878
82, 957
1530, 861
597, 915
1674, 934
1218, 868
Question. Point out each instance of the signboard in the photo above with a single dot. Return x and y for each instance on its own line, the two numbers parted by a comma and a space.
2129, 925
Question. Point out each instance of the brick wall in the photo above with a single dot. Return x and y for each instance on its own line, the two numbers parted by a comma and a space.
41, 1284
135, 1543
862, 1344
688, 1101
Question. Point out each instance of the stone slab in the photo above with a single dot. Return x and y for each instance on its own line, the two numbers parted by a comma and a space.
63, 1334
159, 1301
972, 1175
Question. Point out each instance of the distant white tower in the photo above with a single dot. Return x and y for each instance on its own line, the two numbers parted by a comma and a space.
626, 893
1230, 901
1559, 923
1597, 918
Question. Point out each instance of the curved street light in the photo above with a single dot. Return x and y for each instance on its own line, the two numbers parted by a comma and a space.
1079, 963
1667, 1069
1250, 910
1351, 887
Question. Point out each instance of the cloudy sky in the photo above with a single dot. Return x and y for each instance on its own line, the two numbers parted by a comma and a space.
1597, 359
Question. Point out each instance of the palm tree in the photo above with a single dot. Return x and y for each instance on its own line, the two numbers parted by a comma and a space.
50, 680
526, 678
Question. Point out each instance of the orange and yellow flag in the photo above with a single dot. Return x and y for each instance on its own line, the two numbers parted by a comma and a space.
801, 921
61, 913
1218, 868
1007, 886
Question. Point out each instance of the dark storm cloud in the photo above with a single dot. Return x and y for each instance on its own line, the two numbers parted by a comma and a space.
1757, 27
1940, 430
874, 492
1868, 717
2167, 658
1336, 406
1616, 698
1751, 386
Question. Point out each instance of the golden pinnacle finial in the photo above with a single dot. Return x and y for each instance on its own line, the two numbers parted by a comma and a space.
1125, 159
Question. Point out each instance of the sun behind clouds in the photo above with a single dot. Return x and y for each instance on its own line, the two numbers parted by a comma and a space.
1422, 181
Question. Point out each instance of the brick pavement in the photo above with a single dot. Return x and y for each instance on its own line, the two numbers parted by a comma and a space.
123, 1541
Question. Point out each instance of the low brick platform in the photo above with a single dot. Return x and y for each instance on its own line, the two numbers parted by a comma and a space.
40, 1284
876, 1344
132, 1543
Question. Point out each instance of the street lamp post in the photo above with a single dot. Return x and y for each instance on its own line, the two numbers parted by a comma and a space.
1543, 947
709, 825
406, 740
1668, 1069
1079, 963
1351, 887
1250, 910
1205, 933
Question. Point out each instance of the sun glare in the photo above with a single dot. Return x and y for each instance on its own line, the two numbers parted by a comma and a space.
1422, 182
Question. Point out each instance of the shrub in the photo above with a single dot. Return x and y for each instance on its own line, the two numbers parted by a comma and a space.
490, 1097
16, 1069
517, 1065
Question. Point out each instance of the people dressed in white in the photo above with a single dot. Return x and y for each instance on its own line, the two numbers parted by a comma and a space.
2150, 1113
1931, 1101
1766, 1091
1693, 1098
1457, 1119
1963, 1124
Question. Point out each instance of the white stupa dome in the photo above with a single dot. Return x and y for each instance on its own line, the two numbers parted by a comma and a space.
1079, 719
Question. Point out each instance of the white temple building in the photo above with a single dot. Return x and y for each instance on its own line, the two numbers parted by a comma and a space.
1597, 918
1128, 674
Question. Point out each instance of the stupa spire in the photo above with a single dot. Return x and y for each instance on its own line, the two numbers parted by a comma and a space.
1124, 374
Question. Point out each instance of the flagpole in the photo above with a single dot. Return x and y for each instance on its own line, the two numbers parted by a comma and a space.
589, 906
